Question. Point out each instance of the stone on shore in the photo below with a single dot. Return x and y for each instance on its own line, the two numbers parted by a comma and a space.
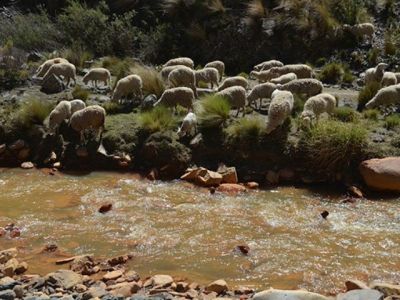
361, 295
219, 286
386, 288
162, 280
355, 285
273, 294
64, 278
382, 174
27, 165
113, 275
231, 188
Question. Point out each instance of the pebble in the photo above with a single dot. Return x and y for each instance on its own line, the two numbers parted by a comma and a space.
113, 275
105, 208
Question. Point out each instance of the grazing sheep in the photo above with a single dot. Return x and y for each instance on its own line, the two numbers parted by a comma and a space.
207, 75
361, 30
236, 95
266, 65
183, 77
233, 81
315, 106
183, 96
63, 111
219, 65
284, 78
375, 74
98, 74
43, 68
389, 78
261, 76
189, 125
308, 86
301, 71
184, 61
397, 77
91, 117
66, 70
131, 84
279, 110
76, 105
385, 96
166, 70
260, 91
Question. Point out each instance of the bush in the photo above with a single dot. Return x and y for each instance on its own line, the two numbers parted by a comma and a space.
76, 55
158, 119
346, 114
371, 114
367, 93
31, 112
373, 55
113, 108
246, 130
10, 78
152, 80
333, 146
213, 111
332, 73
80, 93
392, 121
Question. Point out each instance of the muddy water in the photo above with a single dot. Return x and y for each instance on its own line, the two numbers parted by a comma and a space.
183, 231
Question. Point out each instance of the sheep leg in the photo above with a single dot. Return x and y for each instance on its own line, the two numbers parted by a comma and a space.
82, 136
237, 113
95, 84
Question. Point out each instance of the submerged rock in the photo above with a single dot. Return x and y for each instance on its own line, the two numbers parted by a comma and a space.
382, 174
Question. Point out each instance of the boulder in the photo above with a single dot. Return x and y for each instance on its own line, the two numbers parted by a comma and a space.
27, 165
288, 295
231, 188
7, 295
229, 175
219, 286
386, 288
382, 174
355, 285
23, 154
65, 279
361, 295
113, 275
209, 179
162, 280
52, 85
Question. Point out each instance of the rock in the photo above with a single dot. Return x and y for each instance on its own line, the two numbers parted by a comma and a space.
382, 174
355, 285
161, 281
272, 177
125, 289
229, 175
57, 165
149, 101
7, 283
3, 148
182, 287
244, 249
82, 152
355, 192
6, 255
81, 288
34, 56
244, 291
64, 278
19, 291
286, 175
105, 208
83, 264
27, 165
52, 85
231, 188
17, 145
51, 158
119, 260
210, 178
361, 295
196, 141
219, 286
152, 175
132, 276
23, 154
7, 295
15, 232
288, 295
10, 267
113, 275
93, 292
252, 185
386, 288
21, 268
325, 214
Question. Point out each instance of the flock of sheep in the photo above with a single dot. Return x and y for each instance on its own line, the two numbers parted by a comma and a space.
276, 81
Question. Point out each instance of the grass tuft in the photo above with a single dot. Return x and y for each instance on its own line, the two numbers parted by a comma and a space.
31, 112
80, 93
213, 111
152, 80
346, 114
392, 121
158, 119
367, 93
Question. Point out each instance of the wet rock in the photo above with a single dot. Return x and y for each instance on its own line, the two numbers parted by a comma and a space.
355, 285
252, 185
231, 188
50, 247
64, 278
7, 295
229, 175
272, 177
152, 175
52, 85
119, 260
21, 268
355, 192
386, 288
9, 267
17, 145
105, 208
6, 255
23, 154
203, 177
27, 165
113, 275
219, 286
382, 174
288, 295
244, 291
325, 214
361, 295
161, 280
83, 264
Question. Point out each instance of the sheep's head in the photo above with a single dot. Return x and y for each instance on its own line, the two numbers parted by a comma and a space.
307, 117
253, 74
382, 66
85, 79
370, 104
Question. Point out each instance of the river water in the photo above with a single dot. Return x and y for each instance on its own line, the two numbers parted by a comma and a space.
178, 229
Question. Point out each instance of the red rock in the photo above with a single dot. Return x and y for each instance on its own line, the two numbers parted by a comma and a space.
382, 174
355, 285
105, 208
15, 232
153, 175
231, 188
252, 185
244, 249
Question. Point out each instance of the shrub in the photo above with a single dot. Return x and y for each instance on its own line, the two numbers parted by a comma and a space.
80, 93
347, 76
152, 80
345, 114
371, 114
372, 56
389, 47
367, 93
32, 111
213, 111
392, 121
10, 78
113, 108
333, 146
350, 11
332, 73
158, 119
76, 55
246, 130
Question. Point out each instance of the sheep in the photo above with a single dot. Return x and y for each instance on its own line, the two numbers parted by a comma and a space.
260, 91
183, 96
361, 30
43, 68
184, 61
389, 78
236, 95
315, 106
397, 77
183, 77
98, 74
67, 70
301, 71
266, 65
284, 78
63, 111
219, 65
279, 110
76, 105
233, 81
375, 74
385, 96
131, 84
189, 124
91, 117
207, 75
308, 86
166, 70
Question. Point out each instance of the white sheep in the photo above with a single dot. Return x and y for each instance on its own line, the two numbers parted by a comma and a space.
76, 105
266, 65
361, 30
183, 77
236, 96
260, 91
98, 74
183, 96
91, 117
166, 70
189, 125
307, 86
388, 78
279, 110
207, 75
385, 96
375, 74
301, 71
317, 105
284, 78
63, 111
43, 68
131, 84
66, 70
219, 65
397, 77
233, 81
184, 61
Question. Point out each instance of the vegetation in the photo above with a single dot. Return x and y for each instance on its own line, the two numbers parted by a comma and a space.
152, 80
392, 121
371, 114
31, 112
80, 93
332, 73
213, 111
367, 93
346, 114
158, 119
246, 130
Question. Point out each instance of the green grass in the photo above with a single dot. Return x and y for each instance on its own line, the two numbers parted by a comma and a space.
113, 108
243, 74
76, 55
80, 93
392, 121
152, 80
346, 114
213, 111
332, 73
32, 111
367, 93
298, 104
371, 114
246, 130
158, 119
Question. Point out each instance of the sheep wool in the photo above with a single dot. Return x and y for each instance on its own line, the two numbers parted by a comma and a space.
66, 70
266, 65
284, 78
184, 61
43, 68
375, 74
301, 71
188, 126
361, 30
233, 81
76, 105
316, 105
385, 96
61, 112
389, 78
180, 95
167, 70
131, 84
219, 65
98, 74
207, 75
91, 117
183, 77
236, 95
308, 86
260, 91
279, 110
